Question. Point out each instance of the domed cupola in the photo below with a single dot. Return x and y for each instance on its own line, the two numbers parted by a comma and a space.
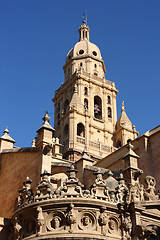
85, 56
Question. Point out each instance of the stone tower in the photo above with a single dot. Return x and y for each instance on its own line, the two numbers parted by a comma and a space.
85, 104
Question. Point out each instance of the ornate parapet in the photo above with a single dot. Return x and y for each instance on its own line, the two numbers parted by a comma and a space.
107, 210
63, 218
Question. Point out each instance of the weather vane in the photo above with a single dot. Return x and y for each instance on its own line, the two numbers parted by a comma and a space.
84, 16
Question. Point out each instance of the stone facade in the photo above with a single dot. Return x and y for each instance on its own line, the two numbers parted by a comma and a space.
92, 178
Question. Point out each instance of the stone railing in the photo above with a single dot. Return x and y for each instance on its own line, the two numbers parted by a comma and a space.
81, 139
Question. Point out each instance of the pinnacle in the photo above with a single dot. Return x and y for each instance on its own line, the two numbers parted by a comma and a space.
6, 130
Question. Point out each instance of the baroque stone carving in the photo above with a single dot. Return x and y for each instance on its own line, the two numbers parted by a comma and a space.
26, 195
71, 217
103, 220
112, 225
136, 192
147, 232
87, 221
99, 189
44, 189
40, 221
122, 191
127, 228
17, 228
72, 186
55, 221
150, 190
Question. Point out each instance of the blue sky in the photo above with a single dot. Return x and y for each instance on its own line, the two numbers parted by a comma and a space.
35, 37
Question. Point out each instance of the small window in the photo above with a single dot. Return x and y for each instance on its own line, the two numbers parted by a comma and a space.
94, 53
109, 100
81, 64
109, 112
85, 104
95, 74
95, 65
97, 107
85, 91
81, 51
66, 106
80, 130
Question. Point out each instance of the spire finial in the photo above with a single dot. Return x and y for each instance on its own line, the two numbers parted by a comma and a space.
6, 130
46, 118
84, 29
84, 17
123, 108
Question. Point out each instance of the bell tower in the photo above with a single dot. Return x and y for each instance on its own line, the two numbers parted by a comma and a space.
85, 104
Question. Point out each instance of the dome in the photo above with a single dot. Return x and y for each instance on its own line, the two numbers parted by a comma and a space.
84, 56
83, 48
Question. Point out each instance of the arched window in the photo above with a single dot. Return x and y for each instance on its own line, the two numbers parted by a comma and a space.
80, 130
85, 103
85, 91
66, 106
97, 107
109, 99
109, 112
66, 130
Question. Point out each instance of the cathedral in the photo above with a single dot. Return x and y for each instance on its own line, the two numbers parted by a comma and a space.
90, 176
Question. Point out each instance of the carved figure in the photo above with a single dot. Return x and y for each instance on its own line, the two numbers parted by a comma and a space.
127, 228
72, 186
71, 216
103, 220
122, 191
40, 221
26, 195
134, 194
17, 229
56, 222
150, 191
112, 224
44, 189
86, 220
99, 189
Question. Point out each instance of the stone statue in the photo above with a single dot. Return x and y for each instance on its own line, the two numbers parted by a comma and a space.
103, 220
40, 221
17, 229
150, 191
71, 217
